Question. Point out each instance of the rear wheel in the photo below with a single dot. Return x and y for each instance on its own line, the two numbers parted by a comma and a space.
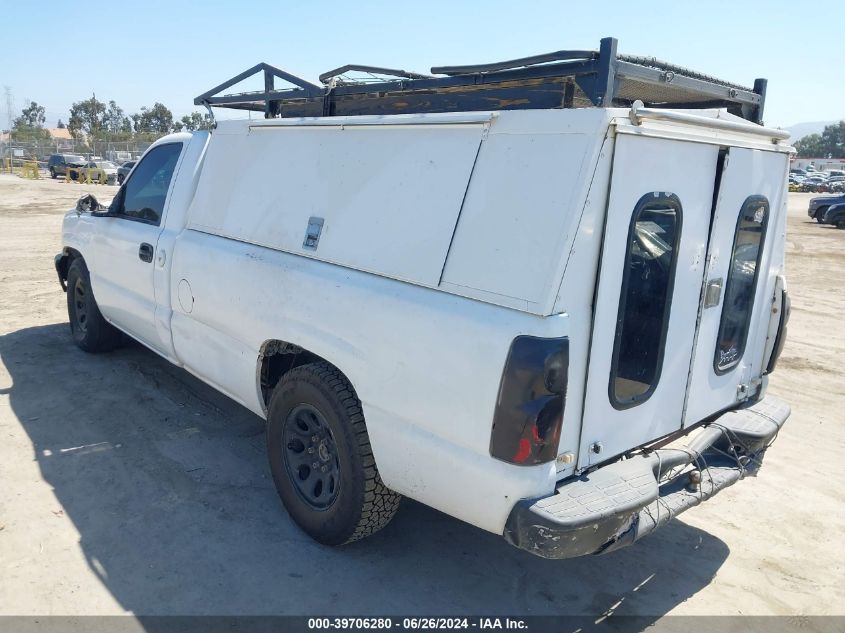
53, 173
90, 331
321, 459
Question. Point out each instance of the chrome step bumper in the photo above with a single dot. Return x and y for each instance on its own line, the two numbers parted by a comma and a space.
618, 504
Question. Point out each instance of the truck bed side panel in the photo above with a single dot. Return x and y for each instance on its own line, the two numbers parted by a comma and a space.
426, 364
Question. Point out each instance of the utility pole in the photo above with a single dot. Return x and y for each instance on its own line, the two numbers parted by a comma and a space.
10, 106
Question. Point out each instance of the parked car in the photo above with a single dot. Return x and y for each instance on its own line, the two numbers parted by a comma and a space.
415, 311
102, 171
124, 169
57, 164
835, 215
814, 184
819, 206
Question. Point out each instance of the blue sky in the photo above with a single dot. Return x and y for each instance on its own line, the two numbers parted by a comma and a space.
148, 50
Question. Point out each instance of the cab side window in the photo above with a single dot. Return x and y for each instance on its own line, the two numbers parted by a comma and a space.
143, 196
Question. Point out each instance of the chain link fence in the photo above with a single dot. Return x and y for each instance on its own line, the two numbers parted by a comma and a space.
14, 153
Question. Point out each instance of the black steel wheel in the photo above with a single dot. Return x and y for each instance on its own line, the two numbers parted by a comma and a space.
80, 304
321, 459
90, 331
312, 460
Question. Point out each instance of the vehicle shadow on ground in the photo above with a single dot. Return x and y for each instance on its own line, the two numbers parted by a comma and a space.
167, 483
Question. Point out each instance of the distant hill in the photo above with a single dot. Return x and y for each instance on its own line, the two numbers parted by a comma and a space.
800, 130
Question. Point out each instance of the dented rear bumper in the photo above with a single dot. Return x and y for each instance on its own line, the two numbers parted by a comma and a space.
618, 504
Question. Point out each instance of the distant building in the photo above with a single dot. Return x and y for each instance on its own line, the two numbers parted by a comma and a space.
821, 164
59, 133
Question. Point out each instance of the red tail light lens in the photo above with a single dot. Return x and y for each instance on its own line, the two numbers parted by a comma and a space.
532, 395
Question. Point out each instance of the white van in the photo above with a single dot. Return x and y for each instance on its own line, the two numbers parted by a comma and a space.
528, 294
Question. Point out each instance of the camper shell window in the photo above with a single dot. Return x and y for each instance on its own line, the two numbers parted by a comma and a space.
645, 299
741, 284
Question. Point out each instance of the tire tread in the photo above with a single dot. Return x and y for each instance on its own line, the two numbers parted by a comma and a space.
380, 503
101, 335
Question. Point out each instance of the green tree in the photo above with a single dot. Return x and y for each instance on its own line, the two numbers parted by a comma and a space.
833, 138
809, 146
87, 117
197, 121
60, 125
31, 116
831, 142
30, 124
116, 122
157, 120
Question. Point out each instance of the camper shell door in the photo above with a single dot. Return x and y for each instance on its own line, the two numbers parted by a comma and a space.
692, 249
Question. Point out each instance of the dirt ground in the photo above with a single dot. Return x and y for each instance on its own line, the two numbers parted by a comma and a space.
126, 485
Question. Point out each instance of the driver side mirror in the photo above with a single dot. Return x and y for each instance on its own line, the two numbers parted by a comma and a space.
88, 204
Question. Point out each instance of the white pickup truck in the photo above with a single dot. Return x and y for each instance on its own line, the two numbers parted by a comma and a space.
550, 317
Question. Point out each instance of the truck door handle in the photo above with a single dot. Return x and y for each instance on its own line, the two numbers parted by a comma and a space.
146, 252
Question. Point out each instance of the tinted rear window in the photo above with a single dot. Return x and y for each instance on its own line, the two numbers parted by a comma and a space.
741, 285
645, 299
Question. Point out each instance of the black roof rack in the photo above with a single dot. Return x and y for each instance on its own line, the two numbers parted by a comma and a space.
564, 79
371, 70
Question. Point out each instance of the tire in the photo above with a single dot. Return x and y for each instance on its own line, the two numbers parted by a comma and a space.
90, 331
820, 214
315, 414
120, 179
53, 173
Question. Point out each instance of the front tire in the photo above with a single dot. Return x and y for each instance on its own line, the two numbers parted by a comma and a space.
90, 331
53, 173
820, 214
321, 459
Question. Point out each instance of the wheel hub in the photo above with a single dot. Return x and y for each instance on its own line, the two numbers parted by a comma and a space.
80, 305
323, 452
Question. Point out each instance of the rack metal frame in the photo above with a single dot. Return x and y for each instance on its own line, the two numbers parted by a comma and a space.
563, 79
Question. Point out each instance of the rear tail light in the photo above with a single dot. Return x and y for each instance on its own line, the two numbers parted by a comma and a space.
532, 395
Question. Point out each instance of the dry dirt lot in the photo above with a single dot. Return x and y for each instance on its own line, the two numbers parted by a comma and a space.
126, 485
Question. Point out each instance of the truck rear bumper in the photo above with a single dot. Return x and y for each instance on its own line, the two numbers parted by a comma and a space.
618, 504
